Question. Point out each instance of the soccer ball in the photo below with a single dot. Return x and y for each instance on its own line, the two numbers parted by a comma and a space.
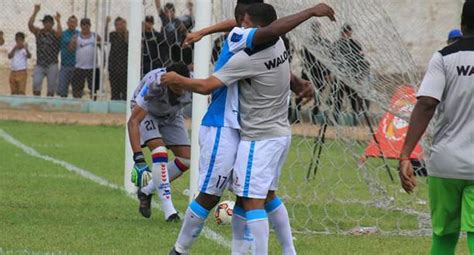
223, 213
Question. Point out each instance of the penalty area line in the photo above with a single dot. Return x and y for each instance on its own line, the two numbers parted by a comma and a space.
208, 233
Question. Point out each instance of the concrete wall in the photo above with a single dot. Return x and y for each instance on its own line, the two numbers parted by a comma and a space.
423, 24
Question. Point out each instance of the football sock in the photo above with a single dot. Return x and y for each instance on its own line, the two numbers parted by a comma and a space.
160, 178
257, 222
470, 242
278, 217
241, 238
177, 167
192, 225
149, 188
444, 245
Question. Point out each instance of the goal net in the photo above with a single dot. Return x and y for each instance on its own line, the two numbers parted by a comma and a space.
358, 66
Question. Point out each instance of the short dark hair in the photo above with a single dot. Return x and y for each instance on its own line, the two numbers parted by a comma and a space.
241, 6
118, 19
150, 19
262, 14
85, 21
73, 17
467, 17
20, 35
179, 68
346, 28
169, 6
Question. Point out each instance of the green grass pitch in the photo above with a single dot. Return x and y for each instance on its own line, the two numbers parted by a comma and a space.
46, 209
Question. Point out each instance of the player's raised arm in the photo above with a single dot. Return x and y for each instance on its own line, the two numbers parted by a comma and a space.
284, 25
223, 26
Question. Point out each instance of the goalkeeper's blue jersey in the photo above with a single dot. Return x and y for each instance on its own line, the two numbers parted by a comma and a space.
224, 108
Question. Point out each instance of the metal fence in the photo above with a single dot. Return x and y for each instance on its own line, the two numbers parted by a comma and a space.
86, 56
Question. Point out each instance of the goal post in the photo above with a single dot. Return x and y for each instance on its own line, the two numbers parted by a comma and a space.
134, 62
202, 61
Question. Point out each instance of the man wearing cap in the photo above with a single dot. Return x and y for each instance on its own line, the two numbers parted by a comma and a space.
454, 36
47, 50
448, 90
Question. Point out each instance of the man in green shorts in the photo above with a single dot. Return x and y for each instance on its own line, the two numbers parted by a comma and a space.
448, 88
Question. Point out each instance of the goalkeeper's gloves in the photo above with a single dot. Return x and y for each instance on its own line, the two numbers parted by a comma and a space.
140, 169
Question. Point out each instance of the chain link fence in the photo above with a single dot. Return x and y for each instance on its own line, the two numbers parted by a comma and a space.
79, 48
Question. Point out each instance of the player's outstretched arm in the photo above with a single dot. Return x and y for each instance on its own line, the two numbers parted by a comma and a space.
133, 124
284, 25
223, 26
178, 83
420, 118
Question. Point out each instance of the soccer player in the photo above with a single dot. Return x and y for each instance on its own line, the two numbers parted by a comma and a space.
199, 209
448, 89
157, 122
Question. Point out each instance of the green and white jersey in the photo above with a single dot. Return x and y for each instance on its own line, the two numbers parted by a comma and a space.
450, 80
263, 75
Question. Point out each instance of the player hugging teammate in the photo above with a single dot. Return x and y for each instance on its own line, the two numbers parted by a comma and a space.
254, 147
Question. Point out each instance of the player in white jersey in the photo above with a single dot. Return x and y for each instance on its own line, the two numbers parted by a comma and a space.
157, 122
199, 208
448, 90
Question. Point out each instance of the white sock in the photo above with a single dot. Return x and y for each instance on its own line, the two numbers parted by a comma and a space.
241, 237
161, 180
278, 217
149, 188
192, 225
257, 222
177, 167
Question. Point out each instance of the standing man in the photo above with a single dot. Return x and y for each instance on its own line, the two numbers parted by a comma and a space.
151, 45
351, 59
118, 58
68, 57
447, 89
85, 45
47, 50
157, 122
173, 31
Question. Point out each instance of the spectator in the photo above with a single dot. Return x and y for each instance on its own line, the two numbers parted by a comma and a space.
2, 41
174, 32
150, 42
118, 58
314, 70
85, 46
188, 22
19, 56
68, 57
350, 57
454, 36
47, 50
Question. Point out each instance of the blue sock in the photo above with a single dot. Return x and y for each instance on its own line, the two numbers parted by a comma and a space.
192, 225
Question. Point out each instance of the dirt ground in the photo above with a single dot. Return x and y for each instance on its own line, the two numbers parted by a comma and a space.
118, 119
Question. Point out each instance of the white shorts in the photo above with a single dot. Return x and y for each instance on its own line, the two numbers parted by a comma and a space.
258, 166
171, 130
218, 152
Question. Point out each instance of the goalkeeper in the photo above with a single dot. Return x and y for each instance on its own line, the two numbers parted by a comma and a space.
448, 89
157, 122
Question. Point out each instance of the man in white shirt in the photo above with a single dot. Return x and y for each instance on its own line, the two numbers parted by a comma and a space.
448, 89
